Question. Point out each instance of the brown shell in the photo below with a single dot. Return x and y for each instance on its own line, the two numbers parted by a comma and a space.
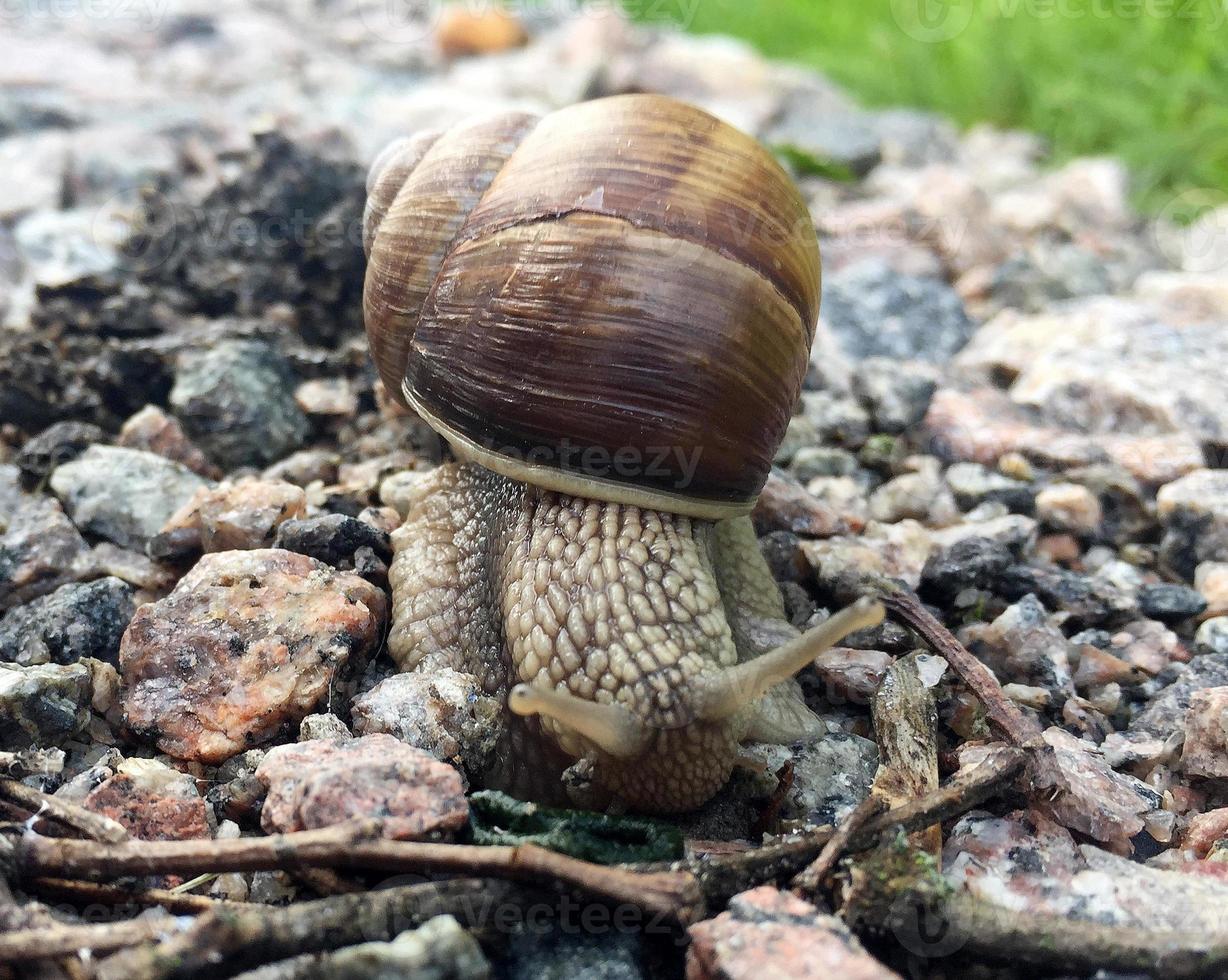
618, 298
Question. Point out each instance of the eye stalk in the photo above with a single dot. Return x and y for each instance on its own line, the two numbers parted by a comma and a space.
611, 727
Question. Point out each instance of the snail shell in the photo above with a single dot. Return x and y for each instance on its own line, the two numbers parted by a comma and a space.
615, 300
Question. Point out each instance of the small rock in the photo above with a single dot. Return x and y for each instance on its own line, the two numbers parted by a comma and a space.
1023, 646
971, 563
1147, 645
236, 400
834, 419
1211, 579
1014, 532
897, 395
43, 705
1212, 636
874, 311
1069, 507
333, 538
1166, 712
123, 495
1206, 734
153, 801
305, 467
327, 397
1205, 830
247, 641
560, 952
322, 726
841, 563
974, 484
851, 676
135, 568
152, 430
785, 505
236, 516
40, 550
487, 30
921, 496
844, 496
439, 949
74, 621
811, 461
770, 933
325, 782
444, 713
1170, 603
782, 550
1194, 511
801, 433
1087, 600
58, 443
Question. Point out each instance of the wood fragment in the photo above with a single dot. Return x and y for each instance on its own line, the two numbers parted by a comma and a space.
93, 893
31, 762
895, 893
222, 941
356, 845
812, 878
69, 815
29, 945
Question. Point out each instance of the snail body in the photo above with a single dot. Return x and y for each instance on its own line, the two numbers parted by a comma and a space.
607, 312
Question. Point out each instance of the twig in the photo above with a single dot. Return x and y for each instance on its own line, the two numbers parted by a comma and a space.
1002, 712
225, 940
92, 893
722, 877
811, 879
357, 845
894, 892
79, 819
31, 762
27, 945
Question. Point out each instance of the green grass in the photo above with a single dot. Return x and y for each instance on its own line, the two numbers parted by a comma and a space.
1146, 80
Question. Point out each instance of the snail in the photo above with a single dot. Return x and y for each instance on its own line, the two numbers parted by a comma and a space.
607, 312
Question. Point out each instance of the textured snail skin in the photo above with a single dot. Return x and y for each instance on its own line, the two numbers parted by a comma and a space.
610, 602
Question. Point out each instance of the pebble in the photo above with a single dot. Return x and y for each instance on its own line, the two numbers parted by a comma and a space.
896, 550
1211, 579
152, 430
40, 550
333, 538
1206, 734
1146, 645
153, 801
324, 782
784, 505
1069, 507
56, 444
1170, 603
897, 394
43, 705
324, 725
974, 485
76, 620
970, 563
232, 516
833, 419
236, 400
1212, 636
851, 676
247, 642
811, 461
1023, 646
771, 933
439, 949
123, 495
1087, 600
1194, 512
874, 311
444, 713
922, 496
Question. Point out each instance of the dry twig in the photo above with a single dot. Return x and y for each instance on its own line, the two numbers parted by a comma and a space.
76, 818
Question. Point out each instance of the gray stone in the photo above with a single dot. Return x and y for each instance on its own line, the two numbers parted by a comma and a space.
439, 949
874, 311
123, 495
58, 443
835, 419
896, 393
1194, 511
1212, 636
813, 461
74, 621
1169, 602
43, 705
1023, 646
974, 484
40, 550
236, 400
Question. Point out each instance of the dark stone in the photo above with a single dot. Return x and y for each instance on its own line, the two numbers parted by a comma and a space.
236, 400
76, 620
333, 538
1170, 603
1087, 602
972, 563
56, 444
783, 553
874, 311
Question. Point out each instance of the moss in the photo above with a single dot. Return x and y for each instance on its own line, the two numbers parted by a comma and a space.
495, 818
